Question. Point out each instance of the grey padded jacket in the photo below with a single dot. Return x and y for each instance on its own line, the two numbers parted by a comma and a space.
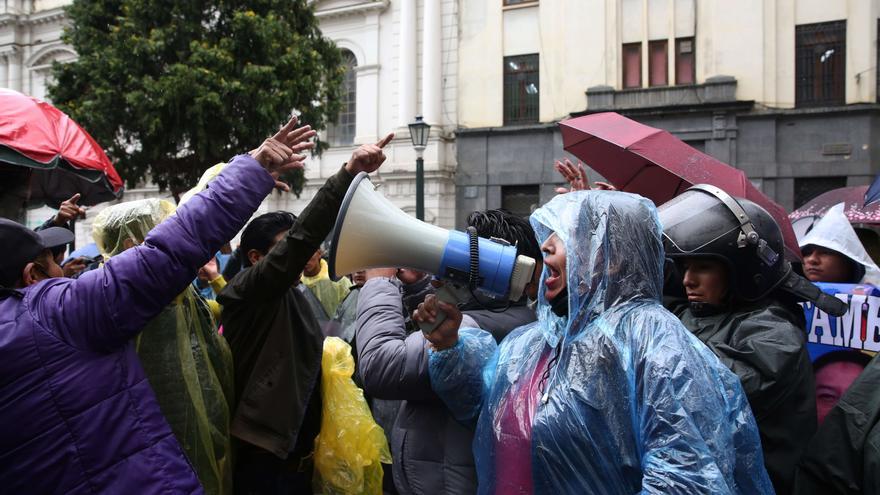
431, 451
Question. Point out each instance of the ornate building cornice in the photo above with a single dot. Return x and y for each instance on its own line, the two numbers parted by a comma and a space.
7, 19
47, 16
349, 10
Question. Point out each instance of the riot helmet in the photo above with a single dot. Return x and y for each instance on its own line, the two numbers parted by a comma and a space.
705, 221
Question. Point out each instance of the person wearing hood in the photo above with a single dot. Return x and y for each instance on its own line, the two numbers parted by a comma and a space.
188, 364
833, 252
330, 293
607, 392
432, 451
78, 412
739, 298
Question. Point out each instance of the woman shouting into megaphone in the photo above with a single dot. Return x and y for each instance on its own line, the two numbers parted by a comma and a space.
607, 392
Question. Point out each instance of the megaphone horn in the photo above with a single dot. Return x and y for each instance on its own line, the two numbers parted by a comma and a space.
371, 232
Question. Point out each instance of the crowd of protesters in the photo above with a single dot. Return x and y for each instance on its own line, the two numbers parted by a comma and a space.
657, 348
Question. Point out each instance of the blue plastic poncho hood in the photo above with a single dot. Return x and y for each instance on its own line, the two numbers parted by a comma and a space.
618, 397
614, 255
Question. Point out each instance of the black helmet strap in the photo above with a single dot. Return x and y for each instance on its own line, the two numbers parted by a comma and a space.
805, 290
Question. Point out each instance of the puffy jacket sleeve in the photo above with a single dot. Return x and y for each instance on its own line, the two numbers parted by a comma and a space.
104, 308
692, 416
392, 364
279, 270
462, 374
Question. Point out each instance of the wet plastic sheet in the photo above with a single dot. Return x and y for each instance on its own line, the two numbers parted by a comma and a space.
188, 365
618, 397
350, 448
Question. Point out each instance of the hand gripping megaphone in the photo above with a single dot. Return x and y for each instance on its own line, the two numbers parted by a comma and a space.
371, 232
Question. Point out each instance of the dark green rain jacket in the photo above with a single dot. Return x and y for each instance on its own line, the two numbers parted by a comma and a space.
765, 345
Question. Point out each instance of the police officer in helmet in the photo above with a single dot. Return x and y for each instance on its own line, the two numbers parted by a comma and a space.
730, 284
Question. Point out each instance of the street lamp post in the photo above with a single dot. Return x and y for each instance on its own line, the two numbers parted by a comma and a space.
418, 132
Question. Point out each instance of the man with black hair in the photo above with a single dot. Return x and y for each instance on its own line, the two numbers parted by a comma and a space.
492, 315
431, 451
276, 341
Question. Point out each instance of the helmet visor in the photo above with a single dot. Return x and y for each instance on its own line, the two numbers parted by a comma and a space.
693, 220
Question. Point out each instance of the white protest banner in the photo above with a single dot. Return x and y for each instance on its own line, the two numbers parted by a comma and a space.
858, 329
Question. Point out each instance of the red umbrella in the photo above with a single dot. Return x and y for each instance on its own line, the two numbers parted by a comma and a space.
854, 209
654, 163
64, 158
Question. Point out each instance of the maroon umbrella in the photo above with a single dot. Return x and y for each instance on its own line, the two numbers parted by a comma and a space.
654, 163
854, 206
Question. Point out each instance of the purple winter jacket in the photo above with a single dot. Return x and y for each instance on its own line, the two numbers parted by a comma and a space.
77, 414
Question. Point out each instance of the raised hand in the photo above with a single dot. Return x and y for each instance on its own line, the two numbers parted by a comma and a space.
576, 176
280, 153
409, 276
368, 157
371, 273
68, 211
74, 266
446, 333
209, 272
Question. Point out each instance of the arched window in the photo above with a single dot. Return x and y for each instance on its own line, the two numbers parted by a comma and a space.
342, 132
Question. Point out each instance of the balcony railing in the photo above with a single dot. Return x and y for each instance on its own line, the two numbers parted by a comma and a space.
716, 89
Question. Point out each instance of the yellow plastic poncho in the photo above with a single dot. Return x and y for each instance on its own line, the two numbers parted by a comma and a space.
329, 293
350, 448
207, 176
187, 363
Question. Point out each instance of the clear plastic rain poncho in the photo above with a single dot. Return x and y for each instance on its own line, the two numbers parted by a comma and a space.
617, 397
833, 231
188, 365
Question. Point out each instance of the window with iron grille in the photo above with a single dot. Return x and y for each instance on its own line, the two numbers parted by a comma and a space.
520, 200
521, 89
820, 64
341, 132
685, 61
632, 65
807, 188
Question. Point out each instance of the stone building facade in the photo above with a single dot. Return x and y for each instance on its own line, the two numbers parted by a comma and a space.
402, 58
784, 89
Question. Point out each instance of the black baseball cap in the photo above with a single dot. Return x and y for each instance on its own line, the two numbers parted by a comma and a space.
20, 245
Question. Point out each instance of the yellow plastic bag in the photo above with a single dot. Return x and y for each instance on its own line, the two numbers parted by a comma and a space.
351, 446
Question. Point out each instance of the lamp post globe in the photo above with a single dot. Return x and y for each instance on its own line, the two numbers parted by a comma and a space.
419, 130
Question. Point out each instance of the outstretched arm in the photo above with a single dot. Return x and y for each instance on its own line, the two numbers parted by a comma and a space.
279, 270
461, 362
462, 374
392, 364
104, 308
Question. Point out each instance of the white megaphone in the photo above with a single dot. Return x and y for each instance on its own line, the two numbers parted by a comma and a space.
371, 232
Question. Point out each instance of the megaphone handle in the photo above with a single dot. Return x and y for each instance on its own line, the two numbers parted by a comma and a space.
447, 294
